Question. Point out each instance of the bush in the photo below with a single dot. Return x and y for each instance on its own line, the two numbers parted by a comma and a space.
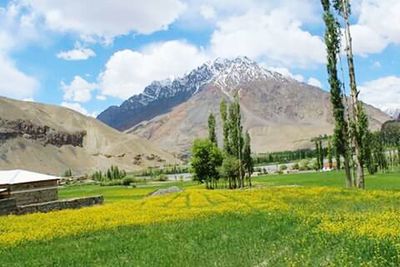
303, 165
162, 178
283, 168
296, 166
67, 173
128, 181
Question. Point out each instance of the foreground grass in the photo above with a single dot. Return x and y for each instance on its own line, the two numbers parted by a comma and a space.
277, 225
258, 239
386, 181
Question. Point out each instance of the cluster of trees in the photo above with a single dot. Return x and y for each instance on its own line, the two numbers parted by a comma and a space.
157, 171
351, 123
284, 156
112, 173
233, 162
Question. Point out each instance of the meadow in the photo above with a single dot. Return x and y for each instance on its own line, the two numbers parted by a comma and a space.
285, 220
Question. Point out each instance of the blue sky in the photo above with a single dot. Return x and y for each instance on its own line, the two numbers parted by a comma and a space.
90, 55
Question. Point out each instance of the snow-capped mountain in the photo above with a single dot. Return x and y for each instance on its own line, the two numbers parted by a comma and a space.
393, 112
279, 112
162, 95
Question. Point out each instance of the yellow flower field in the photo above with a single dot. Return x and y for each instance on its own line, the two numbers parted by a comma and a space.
372, 213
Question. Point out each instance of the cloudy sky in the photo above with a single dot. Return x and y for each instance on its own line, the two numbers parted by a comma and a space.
90, 54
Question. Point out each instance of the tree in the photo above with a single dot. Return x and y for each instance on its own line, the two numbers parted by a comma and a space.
206, 160
341, 131
359, 124
236, 138
247, 159
321, 154
211, 129
225, 125
230, 169
317, 151
330, 153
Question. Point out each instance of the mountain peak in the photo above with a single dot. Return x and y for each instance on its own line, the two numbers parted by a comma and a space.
225, 74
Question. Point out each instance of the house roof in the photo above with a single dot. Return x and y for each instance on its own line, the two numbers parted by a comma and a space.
10, 177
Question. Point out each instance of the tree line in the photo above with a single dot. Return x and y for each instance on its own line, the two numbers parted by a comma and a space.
380, 152
232, 163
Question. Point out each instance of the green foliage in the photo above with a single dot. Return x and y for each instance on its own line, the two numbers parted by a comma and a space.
284, 156
162, 178
283, 167
247, 159
112, 173
206, 159
67, 173
225, 125
341, 130
211, 129
330, 153
230, 169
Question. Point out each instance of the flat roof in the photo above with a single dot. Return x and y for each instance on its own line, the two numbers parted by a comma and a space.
10, 177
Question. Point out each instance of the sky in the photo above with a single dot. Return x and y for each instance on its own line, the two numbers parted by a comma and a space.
88, 55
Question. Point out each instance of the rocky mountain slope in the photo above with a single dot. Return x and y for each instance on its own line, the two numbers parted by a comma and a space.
52, 139
279, 112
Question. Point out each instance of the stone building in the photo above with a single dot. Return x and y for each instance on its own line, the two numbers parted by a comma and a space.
28, 187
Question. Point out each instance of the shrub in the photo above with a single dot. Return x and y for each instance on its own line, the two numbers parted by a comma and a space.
128, 181
162, 178
296, 166
304, 165
283, 167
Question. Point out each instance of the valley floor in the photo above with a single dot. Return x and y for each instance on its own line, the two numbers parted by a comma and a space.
300, 220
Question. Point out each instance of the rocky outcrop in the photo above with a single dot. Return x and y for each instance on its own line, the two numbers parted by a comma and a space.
42, 133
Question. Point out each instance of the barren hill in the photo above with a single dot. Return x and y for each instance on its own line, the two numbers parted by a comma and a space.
52, 139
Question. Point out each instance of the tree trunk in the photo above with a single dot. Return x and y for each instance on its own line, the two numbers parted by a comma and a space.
354, 99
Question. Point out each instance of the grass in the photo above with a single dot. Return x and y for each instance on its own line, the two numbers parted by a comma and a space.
318, 223
386, 181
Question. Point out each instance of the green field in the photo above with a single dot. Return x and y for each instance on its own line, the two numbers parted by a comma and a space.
296, 220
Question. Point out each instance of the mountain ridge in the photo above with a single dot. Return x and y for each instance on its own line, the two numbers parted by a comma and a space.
52, 139
280, 113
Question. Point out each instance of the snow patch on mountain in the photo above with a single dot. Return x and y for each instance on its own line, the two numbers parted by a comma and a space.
392, 112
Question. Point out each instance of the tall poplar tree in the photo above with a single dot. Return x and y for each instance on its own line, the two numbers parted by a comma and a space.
247, 159
359, 123
332, 42
223, 109
211, 129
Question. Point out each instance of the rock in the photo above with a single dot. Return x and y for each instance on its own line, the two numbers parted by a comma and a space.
165, 191
42, 133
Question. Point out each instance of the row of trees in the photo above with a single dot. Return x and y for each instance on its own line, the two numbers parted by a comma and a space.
112, 173
351, 123
233, 162
381, 149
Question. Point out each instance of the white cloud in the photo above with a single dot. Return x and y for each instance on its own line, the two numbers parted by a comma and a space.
286, 72
13, 82
16, 29
106, 19
378, 25
383, 93
101, 97
207, 12
366, 40
128, 72
79, 90
77, 107
276, 37
76, 54
314, 82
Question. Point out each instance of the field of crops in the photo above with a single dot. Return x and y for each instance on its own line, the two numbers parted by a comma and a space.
283, 221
